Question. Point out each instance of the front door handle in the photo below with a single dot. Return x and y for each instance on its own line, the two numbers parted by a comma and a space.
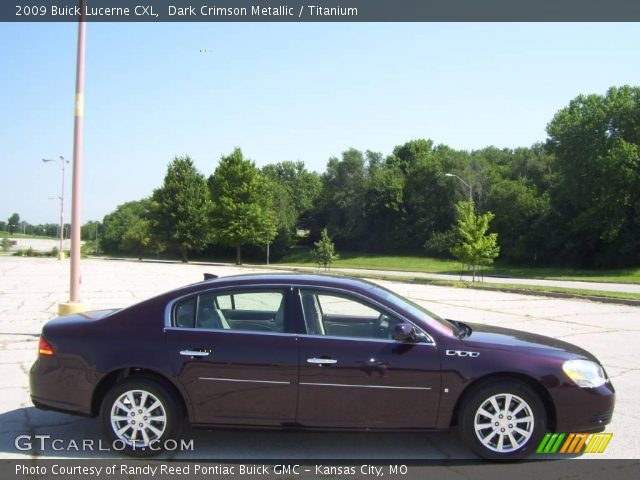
322, 361
195, 353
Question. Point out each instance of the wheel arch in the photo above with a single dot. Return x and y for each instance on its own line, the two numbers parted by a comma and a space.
531, 382
112, 378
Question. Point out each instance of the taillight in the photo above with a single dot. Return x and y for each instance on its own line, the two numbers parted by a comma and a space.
44, 348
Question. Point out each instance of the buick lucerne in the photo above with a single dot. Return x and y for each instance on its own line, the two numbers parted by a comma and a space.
313, 352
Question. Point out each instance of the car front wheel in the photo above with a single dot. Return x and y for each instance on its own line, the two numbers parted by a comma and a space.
139, 415
502, 421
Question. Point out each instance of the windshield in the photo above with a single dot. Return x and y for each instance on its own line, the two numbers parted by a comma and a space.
437, 323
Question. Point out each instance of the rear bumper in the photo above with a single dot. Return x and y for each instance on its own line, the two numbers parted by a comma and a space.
54, 387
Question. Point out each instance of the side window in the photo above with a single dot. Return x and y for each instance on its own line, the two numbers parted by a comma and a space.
224, 301
185, 313
260, 311
344, 316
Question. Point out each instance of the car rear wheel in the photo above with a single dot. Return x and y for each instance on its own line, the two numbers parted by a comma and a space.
139, 415
502, 421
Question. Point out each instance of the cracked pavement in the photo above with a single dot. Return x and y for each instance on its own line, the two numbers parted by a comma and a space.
31, 288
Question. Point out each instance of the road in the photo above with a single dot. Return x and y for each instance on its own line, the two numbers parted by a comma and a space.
30, 289
602, 286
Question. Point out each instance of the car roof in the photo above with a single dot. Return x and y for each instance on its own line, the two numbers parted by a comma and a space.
309, 279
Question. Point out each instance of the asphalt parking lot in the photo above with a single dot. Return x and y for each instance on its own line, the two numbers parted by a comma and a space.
31, 288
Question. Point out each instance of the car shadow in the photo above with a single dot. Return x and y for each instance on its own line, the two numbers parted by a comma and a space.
37, 433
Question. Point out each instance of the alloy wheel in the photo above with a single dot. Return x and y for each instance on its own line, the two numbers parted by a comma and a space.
138, 418
504, 422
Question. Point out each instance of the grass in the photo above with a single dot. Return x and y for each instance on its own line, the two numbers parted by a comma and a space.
506, 287
408, 263
5, 234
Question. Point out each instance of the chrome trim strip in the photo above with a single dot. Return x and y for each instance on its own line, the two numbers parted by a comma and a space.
299, 335
241, 332
363, 386
168, 324
244, 381
376, 340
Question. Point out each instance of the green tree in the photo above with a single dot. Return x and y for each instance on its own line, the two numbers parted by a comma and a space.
13, 222
428, 194
294, 190
139, 239
89, 230
242, 211
521, 216
128, 230
341, 206
302, 185
324, 250
384, 207
5, 244
595, 195
286, 218
181, 208
476, 247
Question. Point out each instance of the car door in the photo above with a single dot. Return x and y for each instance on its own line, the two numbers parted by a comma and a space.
353, 373
232, 354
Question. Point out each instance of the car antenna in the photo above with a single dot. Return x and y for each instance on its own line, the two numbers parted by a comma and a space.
210, 276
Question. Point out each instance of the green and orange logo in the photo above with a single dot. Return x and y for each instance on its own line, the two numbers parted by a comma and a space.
574, 443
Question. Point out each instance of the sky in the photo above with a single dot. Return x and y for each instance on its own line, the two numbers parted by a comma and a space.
279, 91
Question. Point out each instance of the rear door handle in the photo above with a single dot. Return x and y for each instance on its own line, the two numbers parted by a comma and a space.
195, 353
322, 361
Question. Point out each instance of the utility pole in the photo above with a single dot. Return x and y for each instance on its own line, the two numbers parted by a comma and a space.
74, 305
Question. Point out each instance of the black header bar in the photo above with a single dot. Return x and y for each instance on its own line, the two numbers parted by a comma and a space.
321, 10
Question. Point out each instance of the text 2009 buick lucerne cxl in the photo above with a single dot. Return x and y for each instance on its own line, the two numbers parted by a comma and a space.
313, 352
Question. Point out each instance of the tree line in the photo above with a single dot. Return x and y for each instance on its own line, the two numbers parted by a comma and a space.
573, 199
15, 225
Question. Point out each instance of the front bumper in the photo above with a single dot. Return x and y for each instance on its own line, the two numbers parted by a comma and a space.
583, 409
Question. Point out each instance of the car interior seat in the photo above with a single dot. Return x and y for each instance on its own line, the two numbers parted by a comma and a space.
212, 318
312, 314
278, 320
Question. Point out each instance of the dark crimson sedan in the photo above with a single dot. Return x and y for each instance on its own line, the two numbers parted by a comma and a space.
313, 352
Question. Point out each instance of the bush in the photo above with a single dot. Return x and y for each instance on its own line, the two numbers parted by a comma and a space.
30, 252
439, 244
324, 250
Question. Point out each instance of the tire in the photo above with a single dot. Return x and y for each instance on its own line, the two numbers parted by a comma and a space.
158, 416
503, 420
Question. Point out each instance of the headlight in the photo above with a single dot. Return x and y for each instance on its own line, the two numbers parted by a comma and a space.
585, 373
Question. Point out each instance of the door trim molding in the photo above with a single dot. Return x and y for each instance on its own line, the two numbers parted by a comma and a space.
362, 386
242, 380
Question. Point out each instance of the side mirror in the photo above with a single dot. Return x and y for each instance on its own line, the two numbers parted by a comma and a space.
405, 332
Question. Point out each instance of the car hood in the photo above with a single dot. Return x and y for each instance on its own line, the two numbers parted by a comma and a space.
498, 338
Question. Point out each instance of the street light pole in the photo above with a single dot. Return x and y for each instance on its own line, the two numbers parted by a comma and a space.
61, 197
468, 185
